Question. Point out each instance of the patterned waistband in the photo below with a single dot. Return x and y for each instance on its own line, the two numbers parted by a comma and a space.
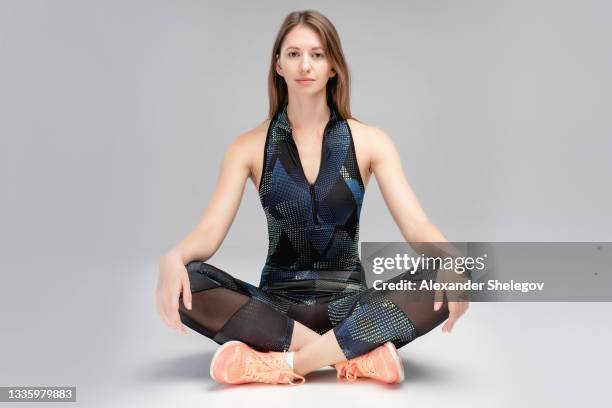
353, 273
309, 282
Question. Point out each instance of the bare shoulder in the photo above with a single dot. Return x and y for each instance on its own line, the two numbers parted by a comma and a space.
251, 144
364, 139
371, 140
253, 136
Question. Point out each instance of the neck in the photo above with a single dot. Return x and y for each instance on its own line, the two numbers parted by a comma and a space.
307, 112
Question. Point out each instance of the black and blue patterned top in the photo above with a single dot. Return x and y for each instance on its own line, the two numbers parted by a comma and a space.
313, 229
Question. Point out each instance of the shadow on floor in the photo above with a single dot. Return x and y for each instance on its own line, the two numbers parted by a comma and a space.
197, 366
425, 371
189, 367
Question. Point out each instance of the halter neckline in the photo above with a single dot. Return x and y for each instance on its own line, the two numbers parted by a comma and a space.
283, 118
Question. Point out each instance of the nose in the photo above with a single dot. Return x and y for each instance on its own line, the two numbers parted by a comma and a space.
305, 64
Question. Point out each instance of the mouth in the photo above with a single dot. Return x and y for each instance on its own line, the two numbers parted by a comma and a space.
305, 80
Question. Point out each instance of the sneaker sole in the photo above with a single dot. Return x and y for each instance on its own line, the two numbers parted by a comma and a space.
214, 359
396, 357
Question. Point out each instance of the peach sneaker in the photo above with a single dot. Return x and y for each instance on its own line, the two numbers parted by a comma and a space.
236, 363
382, 364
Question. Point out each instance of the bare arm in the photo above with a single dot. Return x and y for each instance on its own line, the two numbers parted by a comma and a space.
206, 238
397, 193
406, 210
218, 216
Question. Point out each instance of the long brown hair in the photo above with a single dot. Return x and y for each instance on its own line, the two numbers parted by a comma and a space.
338, 87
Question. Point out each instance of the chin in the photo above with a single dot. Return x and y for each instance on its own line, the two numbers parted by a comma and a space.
307, 90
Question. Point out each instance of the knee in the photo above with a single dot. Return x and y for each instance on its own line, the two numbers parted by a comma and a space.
196, 265
209, 276
201, 268
200, 276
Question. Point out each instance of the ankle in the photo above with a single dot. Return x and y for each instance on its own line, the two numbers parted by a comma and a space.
289, 358
298, 366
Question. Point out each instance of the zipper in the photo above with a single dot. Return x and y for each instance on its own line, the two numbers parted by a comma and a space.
315, 219
297, 154
312, 186
314, 204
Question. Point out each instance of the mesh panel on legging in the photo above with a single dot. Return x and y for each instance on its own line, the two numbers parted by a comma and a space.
225, 308
378, 316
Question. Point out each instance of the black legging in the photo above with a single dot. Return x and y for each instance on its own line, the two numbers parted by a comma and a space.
225, 308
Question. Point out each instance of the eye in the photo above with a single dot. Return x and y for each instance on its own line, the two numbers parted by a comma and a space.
291, 53
319, 55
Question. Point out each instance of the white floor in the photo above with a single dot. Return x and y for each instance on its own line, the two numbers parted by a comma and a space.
97, 328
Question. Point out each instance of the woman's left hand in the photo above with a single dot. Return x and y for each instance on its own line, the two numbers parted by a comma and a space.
455, 309
460, 299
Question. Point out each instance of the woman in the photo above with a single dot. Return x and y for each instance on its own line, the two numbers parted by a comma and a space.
310, 162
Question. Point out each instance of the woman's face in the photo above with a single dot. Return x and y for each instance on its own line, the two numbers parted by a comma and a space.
303, 61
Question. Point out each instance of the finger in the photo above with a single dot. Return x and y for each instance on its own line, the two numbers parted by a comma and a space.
175, 317
177, 324
160, 307
448, 326
168, 321
460, 310
162, 311
176, 320
452, 317
168, 316
438, 299
186, 293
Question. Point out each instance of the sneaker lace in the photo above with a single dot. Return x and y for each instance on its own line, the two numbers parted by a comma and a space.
361, 365
350, 371
270, 369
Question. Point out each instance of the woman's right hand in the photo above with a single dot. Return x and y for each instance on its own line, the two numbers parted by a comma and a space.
171, 281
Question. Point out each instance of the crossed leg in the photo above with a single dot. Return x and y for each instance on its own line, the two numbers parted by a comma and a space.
225, 308
377, 316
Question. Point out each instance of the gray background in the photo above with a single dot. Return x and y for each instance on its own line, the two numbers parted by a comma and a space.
115, 116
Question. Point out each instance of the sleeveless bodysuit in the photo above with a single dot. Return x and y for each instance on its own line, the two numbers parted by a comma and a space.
313, 229
312, 272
